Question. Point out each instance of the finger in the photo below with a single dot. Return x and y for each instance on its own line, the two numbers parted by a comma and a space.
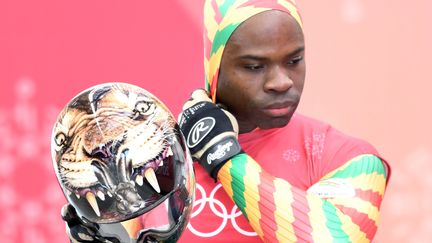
200, 94
233, 122
196, 96
64, 210
81, 234
68, 213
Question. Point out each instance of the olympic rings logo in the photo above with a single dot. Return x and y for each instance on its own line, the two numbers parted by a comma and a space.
202, 202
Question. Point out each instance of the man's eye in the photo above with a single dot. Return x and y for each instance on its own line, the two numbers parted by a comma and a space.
295, 60
253, 67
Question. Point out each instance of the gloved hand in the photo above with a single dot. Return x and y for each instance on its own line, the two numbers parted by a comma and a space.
210, 131
79, 231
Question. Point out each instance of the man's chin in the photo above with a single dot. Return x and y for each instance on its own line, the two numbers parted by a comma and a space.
275, 123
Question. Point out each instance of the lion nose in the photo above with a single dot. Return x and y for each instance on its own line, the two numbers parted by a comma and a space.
103, 151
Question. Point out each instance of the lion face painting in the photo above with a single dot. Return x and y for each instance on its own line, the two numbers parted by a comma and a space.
118, 154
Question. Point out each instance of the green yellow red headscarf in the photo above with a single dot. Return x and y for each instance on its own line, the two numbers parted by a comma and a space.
221, 18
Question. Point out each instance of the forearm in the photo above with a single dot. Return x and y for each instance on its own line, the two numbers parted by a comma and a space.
280, 212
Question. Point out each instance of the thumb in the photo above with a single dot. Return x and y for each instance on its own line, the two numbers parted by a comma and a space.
197, 95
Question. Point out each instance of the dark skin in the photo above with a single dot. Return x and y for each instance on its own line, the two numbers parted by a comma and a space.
262, 71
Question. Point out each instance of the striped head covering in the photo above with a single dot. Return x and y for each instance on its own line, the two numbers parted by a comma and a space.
221, 19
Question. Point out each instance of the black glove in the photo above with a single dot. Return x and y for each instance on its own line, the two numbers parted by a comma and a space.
79, 231
210, 131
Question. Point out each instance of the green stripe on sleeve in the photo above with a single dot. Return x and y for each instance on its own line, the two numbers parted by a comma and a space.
364, 164
333, 223
238, 172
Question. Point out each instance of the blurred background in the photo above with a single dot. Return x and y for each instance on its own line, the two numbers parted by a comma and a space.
369, 75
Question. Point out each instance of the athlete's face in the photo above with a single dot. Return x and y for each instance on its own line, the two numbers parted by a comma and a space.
263, 70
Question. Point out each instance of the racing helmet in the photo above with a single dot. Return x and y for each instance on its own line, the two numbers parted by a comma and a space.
122, 163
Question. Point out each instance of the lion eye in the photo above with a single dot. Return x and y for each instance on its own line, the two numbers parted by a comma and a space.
144, 108
60, 139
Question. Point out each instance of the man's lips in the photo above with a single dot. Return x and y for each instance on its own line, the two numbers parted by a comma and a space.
279, 109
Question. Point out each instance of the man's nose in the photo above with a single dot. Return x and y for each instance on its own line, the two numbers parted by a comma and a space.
278, 80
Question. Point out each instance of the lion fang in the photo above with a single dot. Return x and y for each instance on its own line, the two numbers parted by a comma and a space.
139, 180
150, 175
101, 195
93, 203
169, 152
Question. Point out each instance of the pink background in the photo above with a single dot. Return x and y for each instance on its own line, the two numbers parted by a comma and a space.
369, 74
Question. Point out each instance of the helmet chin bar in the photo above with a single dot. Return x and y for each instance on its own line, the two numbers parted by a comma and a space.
176, 218
172, 235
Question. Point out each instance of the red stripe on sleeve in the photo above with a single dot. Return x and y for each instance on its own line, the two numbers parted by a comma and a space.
367, 225
302, 227
267, 208
373, 197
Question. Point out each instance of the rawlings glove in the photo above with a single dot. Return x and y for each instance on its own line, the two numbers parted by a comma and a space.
210, 131
79, 231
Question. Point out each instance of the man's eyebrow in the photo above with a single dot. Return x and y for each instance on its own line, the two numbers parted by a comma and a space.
252, 57
297, 51
262, 58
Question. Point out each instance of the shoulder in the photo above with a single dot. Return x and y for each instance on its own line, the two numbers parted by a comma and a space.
342, 148
334, 139
330, 147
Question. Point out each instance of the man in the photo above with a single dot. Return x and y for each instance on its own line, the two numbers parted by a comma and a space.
295, 179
